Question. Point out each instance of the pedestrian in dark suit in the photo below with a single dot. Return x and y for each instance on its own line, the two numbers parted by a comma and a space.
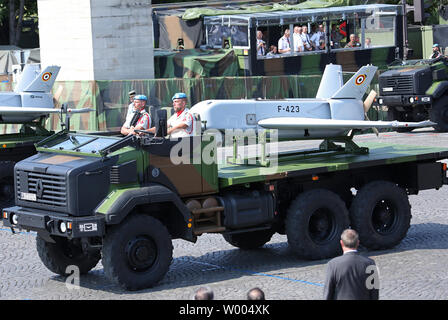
351, 276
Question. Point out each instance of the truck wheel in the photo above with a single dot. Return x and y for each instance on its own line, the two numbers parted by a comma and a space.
381, 214
402, 117
7, 192
249, 240
137, 253
439, 114
58, 256
314, 224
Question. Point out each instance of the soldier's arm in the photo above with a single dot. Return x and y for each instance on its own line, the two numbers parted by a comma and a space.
125, 131
182, 125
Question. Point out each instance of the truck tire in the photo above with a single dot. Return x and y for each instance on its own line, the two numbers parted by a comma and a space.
381, 214
137, 253
314, 224
439, 113
249, 240
63, 253
6, 192
401, 116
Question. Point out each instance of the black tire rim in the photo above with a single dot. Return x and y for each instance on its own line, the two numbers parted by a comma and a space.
384, 217
322, 226
141, 253
69, 249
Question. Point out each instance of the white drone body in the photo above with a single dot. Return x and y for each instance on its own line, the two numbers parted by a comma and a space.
337, 108
31, 97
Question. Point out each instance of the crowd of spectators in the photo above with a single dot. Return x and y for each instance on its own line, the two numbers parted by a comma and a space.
303, 41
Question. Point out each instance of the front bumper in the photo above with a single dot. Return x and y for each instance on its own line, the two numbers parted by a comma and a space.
53, 223
403, 100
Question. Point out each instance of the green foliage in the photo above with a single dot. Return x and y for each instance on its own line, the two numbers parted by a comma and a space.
29, 14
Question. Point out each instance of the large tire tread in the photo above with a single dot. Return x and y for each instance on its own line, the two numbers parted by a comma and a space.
362, 209
114, 260
57, 262
298, 218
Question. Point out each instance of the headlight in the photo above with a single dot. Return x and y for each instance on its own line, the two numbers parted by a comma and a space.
380, 101
411, 100
14, 218
62, 227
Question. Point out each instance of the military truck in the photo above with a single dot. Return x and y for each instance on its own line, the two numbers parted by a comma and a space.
416, 90
124, 200
16, 147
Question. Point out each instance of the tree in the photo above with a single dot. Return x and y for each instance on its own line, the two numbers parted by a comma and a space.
12, 15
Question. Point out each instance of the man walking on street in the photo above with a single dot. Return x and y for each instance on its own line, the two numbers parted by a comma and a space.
351, 276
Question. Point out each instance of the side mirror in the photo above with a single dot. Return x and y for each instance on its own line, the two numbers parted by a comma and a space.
161, 126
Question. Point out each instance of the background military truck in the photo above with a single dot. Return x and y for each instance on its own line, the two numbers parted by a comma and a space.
124, 200
22, 117
416, 90
13, 148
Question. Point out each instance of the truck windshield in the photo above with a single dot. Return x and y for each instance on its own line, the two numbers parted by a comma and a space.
80, 143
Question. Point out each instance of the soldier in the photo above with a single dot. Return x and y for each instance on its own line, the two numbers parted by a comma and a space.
131, 103
181, 123
139, 119
435, 52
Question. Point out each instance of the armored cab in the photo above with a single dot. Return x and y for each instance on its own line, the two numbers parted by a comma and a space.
416, 90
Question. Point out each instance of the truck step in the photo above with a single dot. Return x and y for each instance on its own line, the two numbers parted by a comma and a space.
208, 229
208, 220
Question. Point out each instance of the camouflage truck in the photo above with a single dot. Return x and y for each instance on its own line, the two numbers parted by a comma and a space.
416, 90
124, 200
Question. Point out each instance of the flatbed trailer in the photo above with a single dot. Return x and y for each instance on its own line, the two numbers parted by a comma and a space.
124, 200
380, 154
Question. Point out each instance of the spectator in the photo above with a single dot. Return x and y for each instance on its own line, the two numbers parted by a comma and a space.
284, 45
318, 35
261, 45
352, 43
272, 51
306, 39
348, 275
321, 45
297, 39
368, 43
335, 37
255, 294
203, 293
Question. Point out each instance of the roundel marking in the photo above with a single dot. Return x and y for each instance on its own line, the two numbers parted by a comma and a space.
46, 76
360, 79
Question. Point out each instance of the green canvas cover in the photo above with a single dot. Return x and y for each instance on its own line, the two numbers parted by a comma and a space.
195, 13
195, 63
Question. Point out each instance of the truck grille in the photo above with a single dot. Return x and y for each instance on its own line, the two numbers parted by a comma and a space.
400, 85
50, 189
